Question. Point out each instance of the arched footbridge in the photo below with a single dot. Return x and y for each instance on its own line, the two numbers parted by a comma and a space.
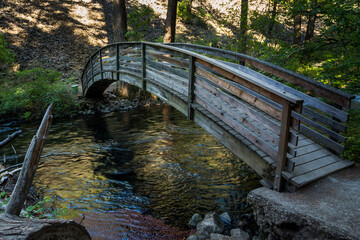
289, 137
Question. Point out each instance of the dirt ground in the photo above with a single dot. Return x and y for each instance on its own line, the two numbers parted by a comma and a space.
62, 34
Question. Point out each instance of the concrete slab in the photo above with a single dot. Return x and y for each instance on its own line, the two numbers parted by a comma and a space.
326, 209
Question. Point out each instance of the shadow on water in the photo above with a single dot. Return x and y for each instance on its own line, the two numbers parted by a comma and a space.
152, 161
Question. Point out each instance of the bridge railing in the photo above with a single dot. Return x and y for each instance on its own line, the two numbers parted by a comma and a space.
322, 117
238, 96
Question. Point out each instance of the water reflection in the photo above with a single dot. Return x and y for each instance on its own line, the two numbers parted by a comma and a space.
152, 161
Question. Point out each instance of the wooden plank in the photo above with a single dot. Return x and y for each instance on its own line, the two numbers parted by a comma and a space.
246, 108
165, 82
307, 149
304, 142
238, 127
322, 139
326, 108
252, 83
309, 177
191, 76
143, 66
319, 127
162, 49
164, 67
171, 77
323, 90
242, 93
236, 115
315, 164
177, 62
323, 119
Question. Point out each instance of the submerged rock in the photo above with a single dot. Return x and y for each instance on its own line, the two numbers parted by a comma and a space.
212, 223
194, 221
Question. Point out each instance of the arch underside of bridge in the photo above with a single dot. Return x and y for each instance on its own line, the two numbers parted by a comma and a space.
245, 110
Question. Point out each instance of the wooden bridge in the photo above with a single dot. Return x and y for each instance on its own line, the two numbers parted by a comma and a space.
289, 137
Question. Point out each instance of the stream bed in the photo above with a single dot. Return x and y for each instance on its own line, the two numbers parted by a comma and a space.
151, 161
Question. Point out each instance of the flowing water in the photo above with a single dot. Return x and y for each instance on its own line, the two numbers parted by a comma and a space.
151, 161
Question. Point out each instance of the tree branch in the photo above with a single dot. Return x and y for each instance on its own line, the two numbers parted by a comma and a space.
10, 138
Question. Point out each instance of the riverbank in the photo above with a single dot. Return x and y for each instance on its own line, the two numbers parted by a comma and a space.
327, 209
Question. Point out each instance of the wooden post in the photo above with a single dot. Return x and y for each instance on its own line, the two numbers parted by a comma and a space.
29, 166
101, 65
283, 143
190, 115
92, 70
117, 63
143, 66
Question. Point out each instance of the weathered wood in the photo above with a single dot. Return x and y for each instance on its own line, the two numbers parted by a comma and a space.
164, 67
143, 66
323, 119
192, 67
29, 166
283, 144
322, 139
246, 108
238, 127
13, 227
326, 108
309, 177
241, 93
10, 138
166, 58
320, 89
252, 83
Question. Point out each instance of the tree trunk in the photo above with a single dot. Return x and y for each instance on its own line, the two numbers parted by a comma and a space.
297, 29
311, 22
170, 22
13, 227
120, 20
273, 16
244, 24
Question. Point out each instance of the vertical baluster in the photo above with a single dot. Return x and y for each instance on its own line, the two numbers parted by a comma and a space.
191, 87
283, 143
101, 65
117, 63
143, 65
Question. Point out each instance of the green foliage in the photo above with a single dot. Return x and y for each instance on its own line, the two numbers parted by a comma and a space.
139, 20
30, 91
40, 210
352, 151
184, 11
6, 55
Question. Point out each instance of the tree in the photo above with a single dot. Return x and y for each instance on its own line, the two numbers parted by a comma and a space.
311, 21
170, 22
297, 29
244, 24
120, 20
273, 16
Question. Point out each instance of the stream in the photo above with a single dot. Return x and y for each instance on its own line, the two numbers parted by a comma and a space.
151, 161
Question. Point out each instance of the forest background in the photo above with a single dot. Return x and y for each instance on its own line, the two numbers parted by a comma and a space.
45, 44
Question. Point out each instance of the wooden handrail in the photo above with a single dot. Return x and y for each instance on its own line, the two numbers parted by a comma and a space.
322, 90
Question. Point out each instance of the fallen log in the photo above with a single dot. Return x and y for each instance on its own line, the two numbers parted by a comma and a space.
13, 227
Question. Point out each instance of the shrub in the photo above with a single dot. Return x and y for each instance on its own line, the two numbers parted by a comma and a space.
32, 91
7, 57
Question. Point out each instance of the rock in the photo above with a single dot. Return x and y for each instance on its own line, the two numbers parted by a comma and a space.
225, 217
217, 236
212, 223
195, 219
238, 234
192, 237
